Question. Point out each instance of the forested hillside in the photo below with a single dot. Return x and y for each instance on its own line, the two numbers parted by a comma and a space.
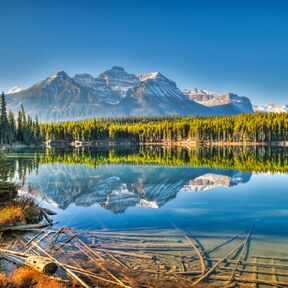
23, 129
242, 128
258, 127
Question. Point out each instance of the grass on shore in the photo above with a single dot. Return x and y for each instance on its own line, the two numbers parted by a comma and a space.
25, 277
19, 212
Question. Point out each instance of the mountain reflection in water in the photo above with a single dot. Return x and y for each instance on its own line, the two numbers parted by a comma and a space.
139, 176
119, 187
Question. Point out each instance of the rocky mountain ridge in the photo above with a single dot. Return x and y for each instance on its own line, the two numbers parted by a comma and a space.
118, 93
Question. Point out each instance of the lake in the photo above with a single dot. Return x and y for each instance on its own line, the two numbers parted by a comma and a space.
211, 194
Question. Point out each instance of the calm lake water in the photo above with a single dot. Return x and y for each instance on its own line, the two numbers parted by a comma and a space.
209, 193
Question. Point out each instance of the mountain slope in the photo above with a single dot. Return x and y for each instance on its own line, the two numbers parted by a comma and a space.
98, 87
158, 95
119, 80
228, 103
118, 93
60, 97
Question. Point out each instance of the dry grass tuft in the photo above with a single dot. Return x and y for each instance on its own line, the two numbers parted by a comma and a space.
2, 279
25, 277
19, 212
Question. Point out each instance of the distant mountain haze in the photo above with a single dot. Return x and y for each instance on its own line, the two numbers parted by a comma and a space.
115, 93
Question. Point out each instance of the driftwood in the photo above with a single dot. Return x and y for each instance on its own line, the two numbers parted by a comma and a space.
251, 281
91, 250
143, 256
237, 278
267, 257
254, 272
203, 267
15, 253
41, 264
209, 272
33, 238
213, 248
274, 275
27, 227
240, 256
258, 264
49, 212
114, 258
70, 238
69, 272
13, 259
102, 267
50, 221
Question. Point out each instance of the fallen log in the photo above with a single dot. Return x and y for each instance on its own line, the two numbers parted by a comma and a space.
270, 258
49, 212
15, 253
251, 281
217, 264
143, 256
69, 272
203, 267
254, 273
213, 248
25, 227
91, 250
50, 221
240, 256
33, 238
102, 267
41, 264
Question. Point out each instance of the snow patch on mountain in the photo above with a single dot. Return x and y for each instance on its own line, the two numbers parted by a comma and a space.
98, 87
15, 89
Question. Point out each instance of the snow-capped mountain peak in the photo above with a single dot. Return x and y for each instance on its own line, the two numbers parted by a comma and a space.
60, 76
118, 93
271, 108
119, 80
217, 101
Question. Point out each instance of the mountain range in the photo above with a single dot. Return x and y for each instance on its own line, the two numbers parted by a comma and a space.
118, 93
271, 108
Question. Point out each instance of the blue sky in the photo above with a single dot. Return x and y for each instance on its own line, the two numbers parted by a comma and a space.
234, 46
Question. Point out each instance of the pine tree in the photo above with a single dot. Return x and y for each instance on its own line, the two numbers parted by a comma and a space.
4, 124
12, 126
37, 135
19, 127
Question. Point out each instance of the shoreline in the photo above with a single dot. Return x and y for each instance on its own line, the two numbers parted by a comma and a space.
184, 144
188, 144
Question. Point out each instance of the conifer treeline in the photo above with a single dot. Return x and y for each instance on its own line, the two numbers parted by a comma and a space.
258, 127
22, 129
242, 158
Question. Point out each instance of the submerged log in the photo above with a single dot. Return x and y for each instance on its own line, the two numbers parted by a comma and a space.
68, 271
27, 227
208, 273
244, 248
49, 212
41, 264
